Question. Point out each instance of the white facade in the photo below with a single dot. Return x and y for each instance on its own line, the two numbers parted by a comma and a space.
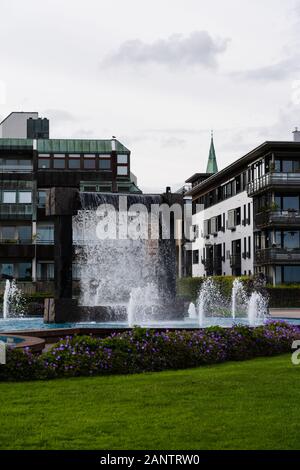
15, 125
242, 231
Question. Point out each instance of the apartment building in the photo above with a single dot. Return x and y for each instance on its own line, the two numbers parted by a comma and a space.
246, 217
31, 163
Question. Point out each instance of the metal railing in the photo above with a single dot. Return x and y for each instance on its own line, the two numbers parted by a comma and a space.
277, 217
273, 179
12, 211
277, 255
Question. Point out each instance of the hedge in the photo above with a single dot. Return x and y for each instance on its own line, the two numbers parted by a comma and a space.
141, 350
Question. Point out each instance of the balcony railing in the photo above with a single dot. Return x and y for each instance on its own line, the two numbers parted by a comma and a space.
277, 255
273, 179
15, 211
268, 218
18, 241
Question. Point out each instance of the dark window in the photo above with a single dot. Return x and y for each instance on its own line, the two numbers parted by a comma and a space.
291, 274
104, 164
287, 166
89, 164
196, 257
290, 203
238, 216
58, 164
44, 163
74, 163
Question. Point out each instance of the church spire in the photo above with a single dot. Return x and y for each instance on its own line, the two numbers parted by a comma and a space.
212, 166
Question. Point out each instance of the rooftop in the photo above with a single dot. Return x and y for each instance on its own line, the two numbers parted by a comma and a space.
233, 169
64, 145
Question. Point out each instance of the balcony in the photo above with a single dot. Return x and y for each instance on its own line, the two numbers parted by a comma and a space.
15, 211
277, 256
273, 180
279, 218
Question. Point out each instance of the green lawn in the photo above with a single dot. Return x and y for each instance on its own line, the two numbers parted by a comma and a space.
245, 405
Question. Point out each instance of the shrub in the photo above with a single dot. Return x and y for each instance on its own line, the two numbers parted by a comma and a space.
143, 350
189, 287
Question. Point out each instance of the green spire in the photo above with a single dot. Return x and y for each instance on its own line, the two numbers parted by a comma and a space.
212, 166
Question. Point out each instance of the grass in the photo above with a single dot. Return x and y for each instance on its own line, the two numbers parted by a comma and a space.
244, 405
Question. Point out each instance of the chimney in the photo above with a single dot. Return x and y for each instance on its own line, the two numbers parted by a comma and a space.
296, 133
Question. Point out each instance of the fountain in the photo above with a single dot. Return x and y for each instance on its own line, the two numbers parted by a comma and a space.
13, 300
143, 305
257, 309
124, 278
214, 309
6, 297
239, 300
192, 311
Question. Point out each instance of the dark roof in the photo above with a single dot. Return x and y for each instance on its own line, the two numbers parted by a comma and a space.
196, 176
233, 168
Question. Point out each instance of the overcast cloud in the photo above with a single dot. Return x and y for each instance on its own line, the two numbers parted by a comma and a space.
199, 48
159, 75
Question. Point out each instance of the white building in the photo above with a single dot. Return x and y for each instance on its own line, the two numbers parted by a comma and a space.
246, 217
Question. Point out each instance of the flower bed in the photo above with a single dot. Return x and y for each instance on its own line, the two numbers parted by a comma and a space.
143, 350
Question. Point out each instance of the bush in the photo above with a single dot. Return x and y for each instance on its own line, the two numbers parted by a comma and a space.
189, 287
143, 350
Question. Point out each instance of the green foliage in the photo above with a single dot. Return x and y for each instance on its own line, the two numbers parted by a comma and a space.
189, 287
141, 350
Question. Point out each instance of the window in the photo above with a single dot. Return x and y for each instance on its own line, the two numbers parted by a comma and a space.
7, 269
9, 197
45, 271
24, 233
122, 159
291, 240
291, 274
44, 163
290, 203
89, 164
58, 164
42, 198
25, 197
287, 166
249, 247
45, 234
8, 233
195, 256
24, 271
74, 164
104, 164
122, 171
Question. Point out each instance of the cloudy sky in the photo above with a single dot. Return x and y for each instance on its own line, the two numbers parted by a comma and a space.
157, 74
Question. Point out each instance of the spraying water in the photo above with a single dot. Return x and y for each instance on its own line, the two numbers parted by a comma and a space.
143, 304
6, 300
257, 309
239, 299
192, 311
13, 300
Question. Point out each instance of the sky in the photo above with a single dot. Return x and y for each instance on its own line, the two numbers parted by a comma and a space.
157, 74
